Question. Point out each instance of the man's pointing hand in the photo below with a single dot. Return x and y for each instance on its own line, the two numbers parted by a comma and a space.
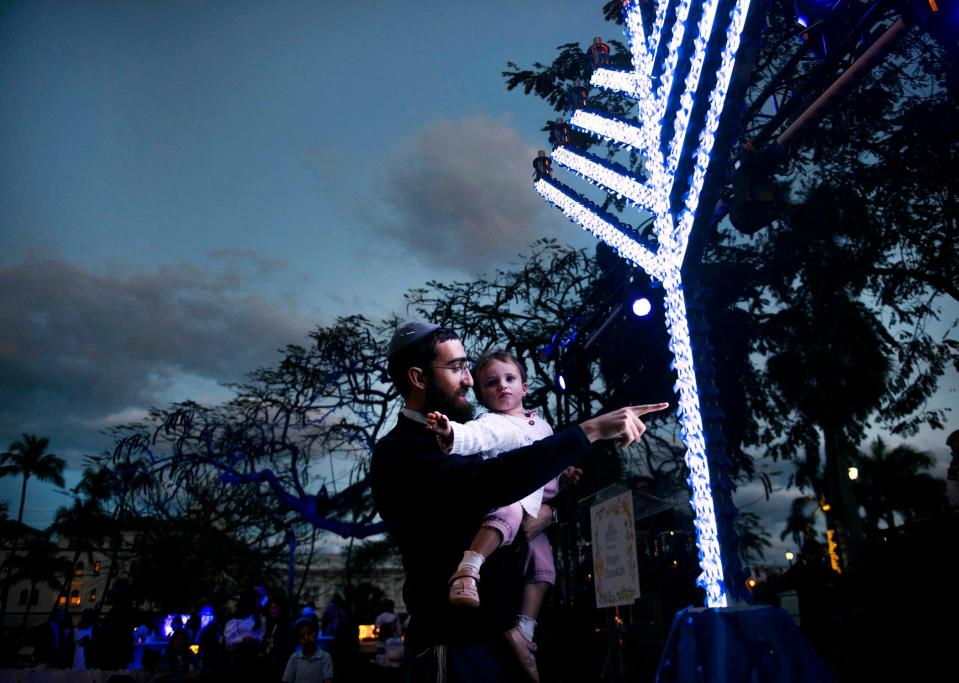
623, 424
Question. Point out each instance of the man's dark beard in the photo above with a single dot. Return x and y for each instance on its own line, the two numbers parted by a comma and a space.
448, 404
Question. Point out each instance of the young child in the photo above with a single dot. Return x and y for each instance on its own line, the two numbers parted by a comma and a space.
501, 386
308, 664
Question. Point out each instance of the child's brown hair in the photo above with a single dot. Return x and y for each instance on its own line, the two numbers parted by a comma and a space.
503, 356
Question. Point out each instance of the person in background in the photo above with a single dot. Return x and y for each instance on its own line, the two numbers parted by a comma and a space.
53, 641
209, 641
952, 473
149, 667
387, 622
83, 640
309, 664
178, 662
262, 597
332, 615
308, 610
244, 640
278, 639
246, 626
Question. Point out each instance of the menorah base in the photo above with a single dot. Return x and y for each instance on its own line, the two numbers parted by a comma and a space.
739, 645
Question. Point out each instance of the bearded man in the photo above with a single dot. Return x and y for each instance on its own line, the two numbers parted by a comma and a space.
433, 503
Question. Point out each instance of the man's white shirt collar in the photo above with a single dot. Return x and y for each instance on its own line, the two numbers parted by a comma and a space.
414, 415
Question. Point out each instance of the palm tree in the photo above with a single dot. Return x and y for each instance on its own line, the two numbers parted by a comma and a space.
801, 523
117, 483
86, 526
39, 563
896, 481
27, 458
753, 537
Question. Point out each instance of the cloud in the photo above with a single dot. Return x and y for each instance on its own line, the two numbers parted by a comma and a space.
247, 258
121, 417
80, 350
458, 194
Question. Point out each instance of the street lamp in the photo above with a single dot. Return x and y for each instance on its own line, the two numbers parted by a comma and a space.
853, 473
790, 557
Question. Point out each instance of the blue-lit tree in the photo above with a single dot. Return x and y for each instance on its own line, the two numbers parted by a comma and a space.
286, 456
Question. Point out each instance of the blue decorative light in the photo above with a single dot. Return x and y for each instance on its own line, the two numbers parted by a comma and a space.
651, 85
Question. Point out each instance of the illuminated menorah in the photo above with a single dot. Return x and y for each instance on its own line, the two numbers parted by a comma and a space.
667, 84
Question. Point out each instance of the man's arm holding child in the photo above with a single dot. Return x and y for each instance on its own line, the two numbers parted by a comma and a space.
502, 480
478, 436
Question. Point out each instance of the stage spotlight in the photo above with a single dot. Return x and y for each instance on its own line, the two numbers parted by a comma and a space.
641, 307
810, 11
573, 371
825, 23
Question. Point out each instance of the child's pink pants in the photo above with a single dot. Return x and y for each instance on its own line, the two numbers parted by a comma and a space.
508, 521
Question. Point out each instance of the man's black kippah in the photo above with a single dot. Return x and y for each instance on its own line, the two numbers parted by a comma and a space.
407, 334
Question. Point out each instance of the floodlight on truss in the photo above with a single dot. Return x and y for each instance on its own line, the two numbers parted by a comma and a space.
667, 108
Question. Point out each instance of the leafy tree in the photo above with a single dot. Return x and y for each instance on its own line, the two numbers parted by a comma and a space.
286, 457
828, 356
321, 409
180, 561
362, 562
854, 270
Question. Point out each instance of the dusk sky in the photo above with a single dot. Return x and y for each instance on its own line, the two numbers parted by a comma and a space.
187, 186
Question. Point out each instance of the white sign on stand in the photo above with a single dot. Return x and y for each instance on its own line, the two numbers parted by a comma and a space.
615, 569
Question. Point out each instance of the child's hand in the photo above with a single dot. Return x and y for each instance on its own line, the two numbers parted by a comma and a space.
439, 423
573, 474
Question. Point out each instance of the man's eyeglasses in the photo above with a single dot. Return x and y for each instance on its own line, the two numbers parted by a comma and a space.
461, 366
